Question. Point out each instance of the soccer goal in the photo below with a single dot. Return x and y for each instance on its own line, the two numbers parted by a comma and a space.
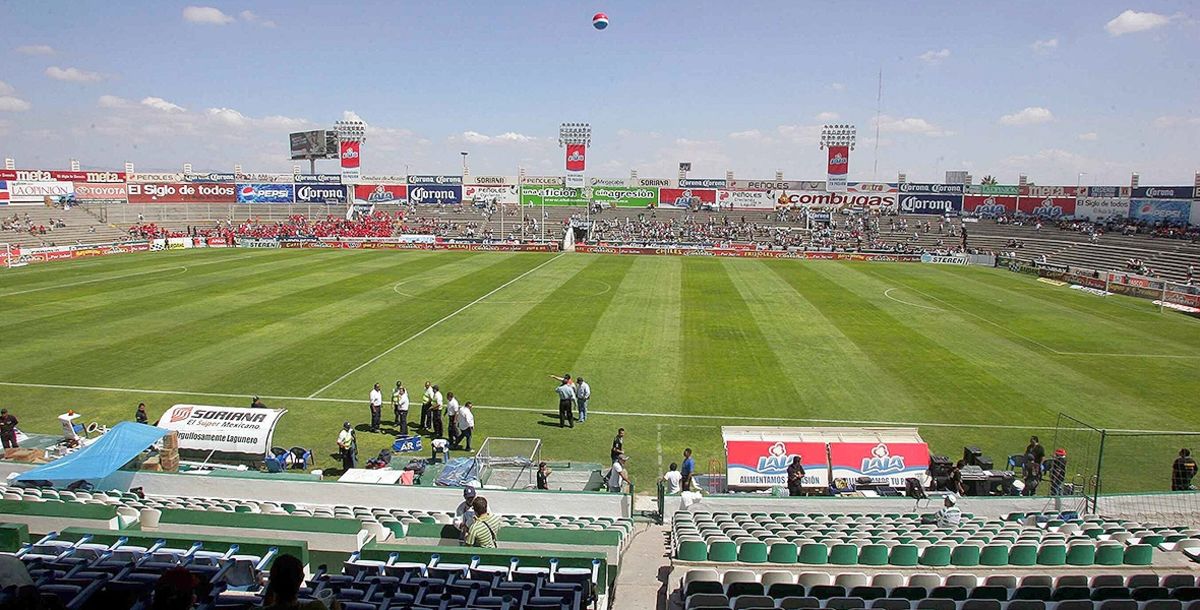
12, 256
509, 462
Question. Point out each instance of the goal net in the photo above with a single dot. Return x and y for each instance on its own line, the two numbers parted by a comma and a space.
509, 462
12, 256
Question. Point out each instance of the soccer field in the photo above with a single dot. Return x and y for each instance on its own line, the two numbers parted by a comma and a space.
673, 348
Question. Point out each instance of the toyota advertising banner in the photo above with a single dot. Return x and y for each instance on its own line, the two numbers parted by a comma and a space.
551, 195
990, 206
349, 152
222, 429
435, 193
930, 203
763, 463
625, 197
687, 198
1051, 208
31, 193
1101, 208
745, 200
266, 193
178, 192
380, 193
492, 194
101, 192
888, 463
839, 166
321, 193
1172, 211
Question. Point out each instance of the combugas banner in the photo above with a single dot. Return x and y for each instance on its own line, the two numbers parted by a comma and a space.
839, 167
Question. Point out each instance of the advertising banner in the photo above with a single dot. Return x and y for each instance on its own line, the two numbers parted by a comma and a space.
1047, 207
1164, 192
321, 193
551, 195
265, 193
1043, 192
41, 175
990, 206
930, 204
625, 197
839, 165
435, 193
224, 429
262, 178
938, 259
29, 193
872, 187
810, 199
763, 464
687, 198
492, 180
654, 182
1101, 208
498, 194
380, 193
576, 157
92, 177
1195, 216
427, 180
542, 180
210, 177
317, 178
1173, 211
163, 177
701, 183
5, 196
993, 189
1123, 192
606, 182
574, 180
930, 188
315, 144
777, 185
890, 463
745, 200
385, 179
177, 192
101, 193
349, 152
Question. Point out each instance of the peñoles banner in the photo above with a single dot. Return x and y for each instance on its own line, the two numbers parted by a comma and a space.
489, 194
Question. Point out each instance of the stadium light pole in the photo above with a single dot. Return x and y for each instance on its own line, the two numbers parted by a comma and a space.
349, 131
575, 133
464, 154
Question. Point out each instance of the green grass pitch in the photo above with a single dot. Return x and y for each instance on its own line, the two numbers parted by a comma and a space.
673, 347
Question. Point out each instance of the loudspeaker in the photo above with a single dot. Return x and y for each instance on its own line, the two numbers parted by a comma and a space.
984, 462
970, 454
914, 490
940, 466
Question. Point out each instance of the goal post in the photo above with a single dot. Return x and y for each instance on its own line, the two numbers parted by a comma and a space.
509, 462
12, 256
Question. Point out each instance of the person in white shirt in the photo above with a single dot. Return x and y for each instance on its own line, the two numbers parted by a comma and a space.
465, 422
464, 515
618, 474
583, 392
400, 407
451, 416
376, 407
673, 479
435, 412
949, 516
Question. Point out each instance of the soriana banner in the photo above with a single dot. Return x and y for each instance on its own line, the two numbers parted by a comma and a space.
886, 462
180, 192
101, 193
1047, 207
224, 429
839, 166
380, 193
686, 198
481, 193
990, 206
626, 197
576, 157
755, 463
350, 161
745, 200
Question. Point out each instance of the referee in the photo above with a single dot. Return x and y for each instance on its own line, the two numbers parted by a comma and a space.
566, 401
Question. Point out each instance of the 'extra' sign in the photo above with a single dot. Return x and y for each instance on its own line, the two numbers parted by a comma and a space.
435, 180
930, 188
930, 203
320, 194
435, 193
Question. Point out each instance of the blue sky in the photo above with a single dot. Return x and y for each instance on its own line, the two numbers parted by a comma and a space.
1049, 89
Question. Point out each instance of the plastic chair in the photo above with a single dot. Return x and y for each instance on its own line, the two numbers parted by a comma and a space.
1139, 555
1023, 555
844, 554
814, 554
783, 552
936, 556
1081, 554
903, 555
966, 555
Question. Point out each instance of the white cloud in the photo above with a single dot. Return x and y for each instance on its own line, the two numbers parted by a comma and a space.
159, 103
35, 49
284, 122
10, 103
206, 15
1168, 121
914, 125
1132, 21
933, 57
250, 17
112, 101
228, 116
749, 134
6, 89
1090, 136
73, 75
838, 87
1044, 46
508, 137
1029, 116
350, 115
828, 116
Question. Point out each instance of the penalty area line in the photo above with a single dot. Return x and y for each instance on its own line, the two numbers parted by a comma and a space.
430, 327
739, 418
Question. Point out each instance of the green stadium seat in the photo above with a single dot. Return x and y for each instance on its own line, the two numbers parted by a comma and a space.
752, 552
783, 552
1139, 555
1081, 554
1110, 554
844, 554
722, 550
994, 555
1052, 555
966, 555
692, 549
814, 553
873, 555
1023, 555
936, 555
904, 555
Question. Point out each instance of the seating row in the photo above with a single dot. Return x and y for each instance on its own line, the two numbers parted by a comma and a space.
757, 602
891, 580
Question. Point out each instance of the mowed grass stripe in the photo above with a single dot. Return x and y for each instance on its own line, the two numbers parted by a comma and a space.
943, 385
728, 366
174, 336
276, 347
634, 357
358, 341
824, 366
147, 313
39, 275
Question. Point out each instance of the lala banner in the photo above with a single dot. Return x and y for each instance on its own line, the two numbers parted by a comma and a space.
224, 429
380, 193
576, 157
839, 167
990, 206
1051, 208
890, 463
349, 152
763, 464
687, 198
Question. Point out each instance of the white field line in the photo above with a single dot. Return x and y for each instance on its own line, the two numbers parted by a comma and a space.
117, 277
429, 328
550, 408
1033, 341
888, 293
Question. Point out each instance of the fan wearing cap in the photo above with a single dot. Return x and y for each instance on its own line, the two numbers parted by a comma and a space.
1057, 469
619, 473
949, 515
347, 447
464, 515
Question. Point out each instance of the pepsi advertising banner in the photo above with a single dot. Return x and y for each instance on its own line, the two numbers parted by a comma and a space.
1171, 211
265, 193
930, 204
1164, 192
435, 193
321, 193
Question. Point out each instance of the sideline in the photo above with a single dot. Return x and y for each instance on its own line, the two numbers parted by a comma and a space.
430, 327
737, 418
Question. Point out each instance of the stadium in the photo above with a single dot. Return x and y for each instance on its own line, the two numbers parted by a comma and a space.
329, 379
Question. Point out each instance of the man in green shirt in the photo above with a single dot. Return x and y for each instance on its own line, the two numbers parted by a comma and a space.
486, 527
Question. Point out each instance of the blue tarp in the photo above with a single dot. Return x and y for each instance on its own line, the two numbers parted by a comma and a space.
108, 454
